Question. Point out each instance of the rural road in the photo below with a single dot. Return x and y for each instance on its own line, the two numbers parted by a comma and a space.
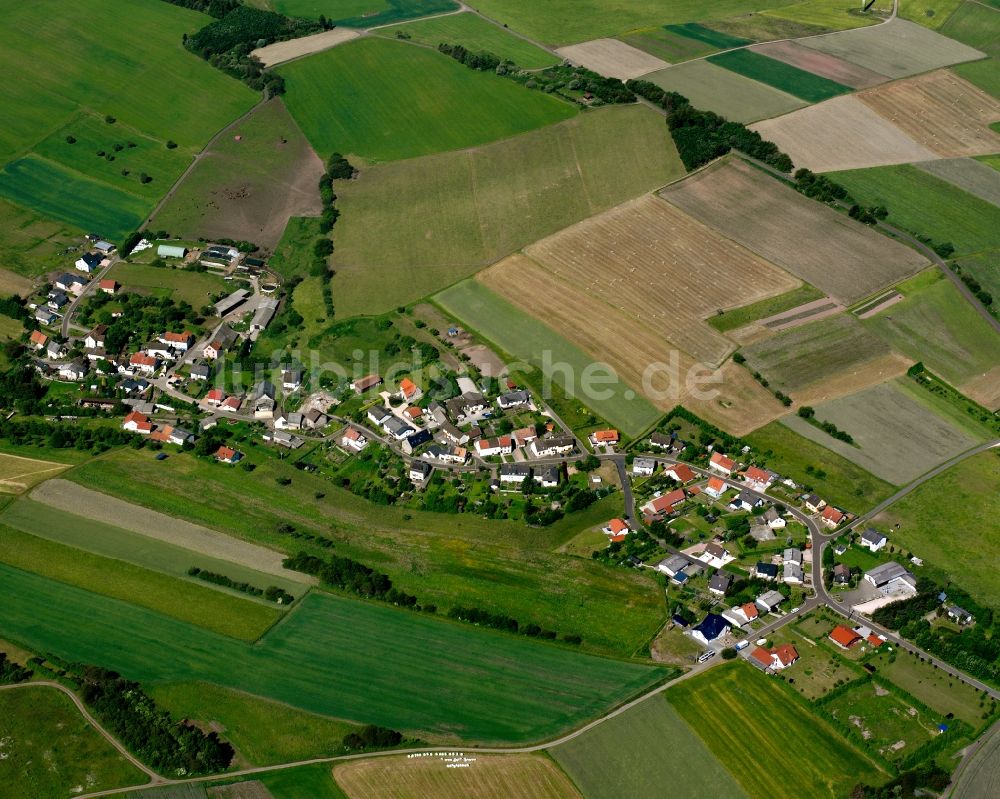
94, 282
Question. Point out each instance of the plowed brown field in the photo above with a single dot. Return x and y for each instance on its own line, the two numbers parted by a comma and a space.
940, 111
824, 64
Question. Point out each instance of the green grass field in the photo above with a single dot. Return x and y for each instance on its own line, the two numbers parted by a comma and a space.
773, 745
446, 559
818, 670
802, 356
187, 285
385, 100
976, 25
364, 13
48, 750
474, 33
474, 685
922, 203
560, 22
58, 193
845, 484
293, 257
201, 605
930, 685
30, 244
937, 325
640, 752
782, 76
305, 782
765, 28
831, 15
480, 205
949, 509
738, 317
713, 38
984, 74
263, 732
665, 43
529, 339
929, 13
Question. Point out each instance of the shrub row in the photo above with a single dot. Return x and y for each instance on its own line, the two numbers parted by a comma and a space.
272, 593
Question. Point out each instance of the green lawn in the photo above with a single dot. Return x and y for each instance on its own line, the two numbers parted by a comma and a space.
30, 244
474, 33
780, 75
738, 317
342, 658
58, 193
827, 14
385, 100
293, 255
640, 752
560, 22
774, 745
942, 522
921, 203
181, 284
201, 605
263, 732
447, 559
818, 670
49, 750
532, 341
305, 782
843, 484
479, 205
364, 13
937, 325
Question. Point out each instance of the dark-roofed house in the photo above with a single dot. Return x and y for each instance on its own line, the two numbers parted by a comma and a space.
514, 472
711, 628
768, 601
547, 476
513, 399
892, 579
872, 539
960, 615
765, 571
719, 583
414, 440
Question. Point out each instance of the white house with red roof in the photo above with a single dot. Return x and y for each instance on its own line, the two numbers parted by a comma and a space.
354, 439
109, 286
487, 447
38, 340
226, 454
137, 422
231, 404
408, 390
832, 516
747, 612
665, 503
604, 438
178, 341
758, 479
616, 530
774, 659
144, 363
721, 464
716, 487
215, 397
680, 472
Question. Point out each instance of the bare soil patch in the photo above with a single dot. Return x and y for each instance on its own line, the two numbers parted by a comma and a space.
842, 133
612, 58
824, 64
886, 301
810, 312
845, 259
280, 52
985, 389
662, 269
74, 498
940, 111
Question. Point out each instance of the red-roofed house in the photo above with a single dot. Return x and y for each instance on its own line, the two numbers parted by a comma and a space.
681, 472
721, 463
141, 362
178, 341
844, 637
748, 611
231, 404
354, 439
665, 503
38, 339
874, 640
215, 397
758, 479
716, 487
774, 659
761, 658
408, 389
485, 447
831, 517
604, 437
109, 286
137, 422
616, 530
413, 413
227, 455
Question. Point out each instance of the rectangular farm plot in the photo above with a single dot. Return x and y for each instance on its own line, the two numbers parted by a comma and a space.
818, 63
18, 474
735, 97
779, 74
842, 133
940, 111
713, 38
975, 177
663, 269
896, 437
828, 250
824, 14
664, 43
897, 49
280, 52
612, 58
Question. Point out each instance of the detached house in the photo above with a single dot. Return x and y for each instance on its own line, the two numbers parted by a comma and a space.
513, 399
774, 659
408, 390
758, 479
89, 262
873, 540
720, 463
547, 476
38, 340
773, 519
604, 438
143, 363
420, 471
181, 342
291, 379
716, 487
832, 517
715, 555
515, 473
746, 501
813, 503
555, 445
136, 422
665, 503
223, 339
643, 467
844, 637
96, 337
487, 447
719, 583
680, 472
262, 396
228, 455
714, 626
354, 439
616, 530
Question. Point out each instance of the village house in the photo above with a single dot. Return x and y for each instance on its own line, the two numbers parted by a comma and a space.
231, 404
769, 601
712, 627
453, 434
547, 476
793, 574
417, 439
715, 555
168, 434
746, 501
765, 571
408, 390
747, 612
892, 580
283, 438
523, 436
774, 659
38, 340
215, 397
288, 420
136, 422
721, 464
55, 349
157, 350
773, 519
223, 339
515, 473
758, 479
181, 342
95, 338
413, 413
716, 487
488, 447
643, 467
841, 574
70, 283
960, 615
262, 395
315, 419
142, 363
354, 439
362, 384
831, 516
420, 471
291, 379
201, 371
554, 445
378, 414
617, 530
664, 504
89, 262
471, 403
813, 503
396, 427
672, 565
109, 286
513, 399
872, 539
680, 472
661, 441
604, 438
226, 454
719, 583
44, 316
74, 370
844, 637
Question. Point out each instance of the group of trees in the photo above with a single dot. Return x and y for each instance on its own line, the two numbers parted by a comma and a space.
482, 61
819, 187
350, 575
43, 433
971, 283
780, 395
500, 621
11, 672
371, 737
169, 746
141, 318
227, 42
808, 413
14, 307
701, 136
272, 593
925, 780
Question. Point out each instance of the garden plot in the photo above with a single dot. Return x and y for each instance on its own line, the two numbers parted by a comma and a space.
842, 133
801, 235
940, 111
969, 175
819, 63
612, 58
663, 269
896, 437
897, 48
714, 88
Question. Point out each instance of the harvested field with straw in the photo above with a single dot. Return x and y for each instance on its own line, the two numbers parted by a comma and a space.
280, 52
18, 474
842, 133
823, 64
663, 269
940, 111
612, 58
801, 235
897, 49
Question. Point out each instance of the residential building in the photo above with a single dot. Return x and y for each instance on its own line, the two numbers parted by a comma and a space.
960, 615
226, 454
872, 539
231, 404
315, 419
354, 439
716, 487
606, 438
769, 601
415, 440
643, 467
38, 340
617, 530
831, 516
841, 574
554, 445
215, 397
813, 503
672, 565
844, 637
291, 379
515, 473
262, 395
665, 503
711, 628
143, 363
288, 420
793, 574
408, 390
513, 399
892, 579
747, 612
719, 582
201, 371
758, 479
720, 463
420, 471
453, 434
74, 370
471, 403
397, 428
222, 340
136, 422
362, 384
109, 286
523, 436
661, 441
89, 262
377, 415
547, 476
488, 447
715, 555
765, 571
774, 659
181, 342
680, 472
773, 519
746, 501
792, 555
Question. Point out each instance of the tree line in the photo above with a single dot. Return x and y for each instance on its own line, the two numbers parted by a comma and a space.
272, 593
808, 413
348, 574
11, 672
501, 621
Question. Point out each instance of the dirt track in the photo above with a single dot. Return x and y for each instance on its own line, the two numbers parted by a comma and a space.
74, 498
